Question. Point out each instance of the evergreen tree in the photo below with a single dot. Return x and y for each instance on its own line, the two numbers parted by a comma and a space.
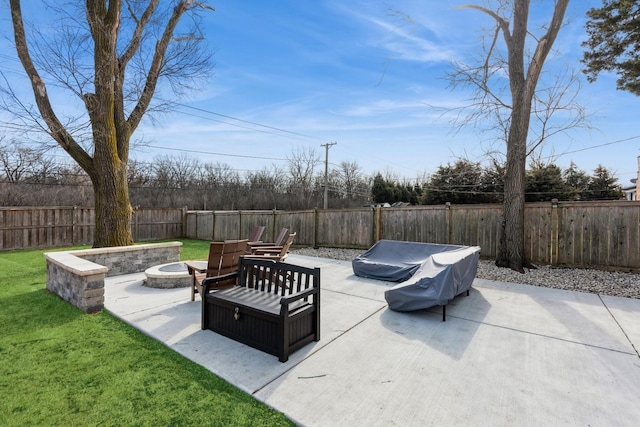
492, 183
544, 183
602, 185
459, 183
381, 191
577, 182
614, 43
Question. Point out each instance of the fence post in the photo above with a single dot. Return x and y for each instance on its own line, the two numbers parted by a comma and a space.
273, 229
447, 211
73, 224
555, 231
315, 228
183, 231
213, 226
378, 223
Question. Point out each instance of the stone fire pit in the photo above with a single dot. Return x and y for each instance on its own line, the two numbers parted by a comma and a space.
168, 276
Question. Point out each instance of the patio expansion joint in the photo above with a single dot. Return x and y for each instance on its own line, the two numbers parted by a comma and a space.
550, 337
619, 325
352, 295
143, 310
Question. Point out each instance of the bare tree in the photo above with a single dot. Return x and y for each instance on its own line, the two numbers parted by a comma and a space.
350, 176
182, 170
510, 107
220, 185
302, 168
113, 62
348, 186
17, 161
263, 187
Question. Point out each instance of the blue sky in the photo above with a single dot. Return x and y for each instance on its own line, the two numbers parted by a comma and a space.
300, 74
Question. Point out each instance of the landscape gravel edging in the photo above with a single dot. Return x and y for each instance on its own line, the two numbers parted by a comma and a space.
612, 283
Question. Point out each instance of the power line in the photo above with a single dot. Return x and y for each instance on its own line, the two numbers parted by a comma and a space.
216, 154
601, 145
244, 121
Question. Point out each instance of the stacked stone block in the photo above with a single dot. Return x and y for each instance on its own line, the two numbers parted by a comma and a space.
78, 276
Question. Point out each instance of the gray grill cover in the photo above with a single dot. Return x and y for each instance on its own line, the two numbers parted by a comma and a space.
430, 274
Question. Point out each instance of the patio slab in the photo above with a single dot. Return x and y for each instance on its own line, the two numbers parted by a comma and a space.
508, 354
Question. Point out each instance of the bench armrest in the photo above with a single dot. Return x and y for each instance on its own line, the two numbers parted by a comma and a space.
287, 300
267, 256
207, 282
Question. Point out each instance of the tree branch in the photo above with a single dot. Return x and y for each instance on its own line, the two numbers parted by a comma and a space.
158, 60
56, 129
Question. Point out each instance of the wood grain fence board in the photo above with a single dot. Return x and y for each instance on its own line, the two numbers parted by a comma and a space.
40, 227
250, 219
63, 235
151, 222
574, 235
83, 225
392, 224
430, 225
623, 236
3, 231
462, 226
226, 225
435, 225
599, 235
200, 224
345, 227
476, 227
538, 232
417, 224
300, 222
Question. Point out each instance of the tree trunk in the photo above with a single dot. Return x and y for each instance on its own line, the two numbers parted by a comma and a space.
511, 250
110, 134
523, 84
112, 207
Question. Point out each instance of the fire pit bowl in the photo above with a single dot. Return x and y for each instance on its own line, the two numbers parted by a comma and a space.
168, 276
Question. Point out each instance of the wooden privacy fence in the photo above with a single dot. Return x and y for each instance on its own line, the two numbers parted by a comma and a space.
45, 227
581, 234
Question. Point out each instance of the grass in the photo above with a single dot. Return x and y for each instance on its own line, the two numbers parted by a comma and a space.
60, 366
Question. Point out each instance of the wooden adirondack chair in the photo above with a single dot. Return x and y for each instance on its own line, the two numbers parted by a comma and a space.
224, 258
282, 236
256, 234
275, 253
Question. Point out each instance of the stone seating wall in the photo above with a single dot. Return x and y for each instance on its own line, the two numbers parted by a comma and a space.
78, 276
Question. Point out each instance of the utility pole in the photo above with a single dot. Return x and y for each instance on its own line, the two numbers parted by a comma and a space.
326, 172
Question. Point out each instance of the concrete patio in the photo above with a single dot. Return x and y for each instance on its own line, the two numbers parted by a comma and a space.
508, 354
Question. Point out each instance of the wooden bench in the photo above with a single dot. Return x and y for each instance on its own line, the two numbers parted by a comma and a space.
275, 306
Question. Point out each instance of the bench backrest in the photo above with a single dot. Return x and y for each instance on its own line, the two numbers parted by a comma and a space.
276, 277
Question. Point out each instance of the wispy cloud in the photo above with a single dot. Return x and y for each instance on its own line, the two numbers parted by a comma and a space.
400, 36
404, 42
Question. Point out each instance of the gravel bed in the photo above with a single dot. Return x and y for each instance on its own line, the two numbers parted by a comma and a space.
617, 284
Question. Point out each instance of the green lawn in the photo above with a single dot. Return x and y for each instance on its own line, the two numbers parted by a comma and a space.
60, 366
